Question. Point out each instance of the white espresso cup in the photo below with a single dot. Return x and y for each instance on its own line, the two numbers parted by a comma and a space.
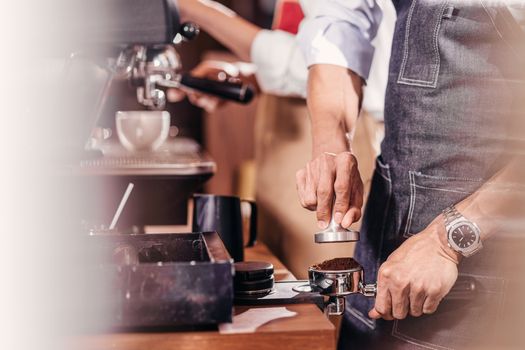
142, 130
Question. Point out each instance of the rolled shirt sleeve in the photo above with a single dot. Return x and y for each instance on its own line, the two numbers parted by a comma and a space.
281, 69
341, 34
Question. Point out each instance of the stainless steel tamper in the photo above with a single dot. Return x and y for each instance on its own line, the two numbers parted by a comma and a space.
335, 233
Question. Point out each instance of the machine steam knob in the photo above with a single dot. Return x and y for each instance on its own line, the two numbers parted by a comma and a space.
189, 30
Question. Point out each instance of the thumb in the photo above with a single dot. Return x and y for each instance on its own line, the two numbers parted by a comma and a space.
374, 314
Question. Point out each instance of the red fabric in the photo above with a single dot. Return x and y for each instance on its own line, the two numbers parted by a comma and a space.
288, 15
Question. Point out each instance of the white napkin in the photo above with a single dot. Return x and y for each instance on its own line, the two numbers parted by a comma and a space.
250, 320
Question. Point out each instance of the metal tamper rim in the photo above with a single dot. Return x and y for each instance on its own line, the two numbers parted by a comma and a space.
334, 233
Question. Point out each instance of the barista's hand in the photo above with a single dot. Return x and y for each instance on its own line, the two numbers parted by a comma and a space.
216, 70
326, 175
416, 276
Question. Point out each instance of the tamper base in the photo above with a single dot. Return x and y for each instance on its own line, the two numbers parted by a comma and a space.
334, 233
338, 236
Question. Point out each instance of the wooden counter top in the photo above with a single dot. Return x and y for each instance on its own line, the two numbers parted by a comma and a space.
309, 329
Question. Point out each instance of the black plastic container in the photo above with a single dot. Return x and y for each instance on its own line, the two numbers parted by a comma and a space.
162, 280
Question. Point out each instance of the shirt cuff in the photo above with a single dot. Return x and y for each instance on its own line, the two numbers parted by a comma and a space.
281, 68
338, 43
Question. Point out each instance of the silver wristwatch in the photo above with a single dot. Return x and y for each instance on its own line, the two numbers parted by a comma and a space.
463, 235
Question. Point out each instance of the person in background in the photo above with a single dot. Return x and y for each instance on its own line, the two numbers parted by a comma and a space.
270, 59
273, 61
277, 64
450, 174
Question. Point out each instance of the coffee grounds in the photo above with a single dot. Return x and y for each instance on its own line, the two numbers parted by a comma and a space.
337, 264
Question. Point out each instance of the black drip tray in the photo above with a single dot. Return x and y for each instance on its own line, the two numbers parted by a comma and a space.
163, 280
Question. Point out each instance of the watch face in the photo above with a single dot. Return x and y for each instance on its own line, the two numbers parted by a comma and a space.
464, 236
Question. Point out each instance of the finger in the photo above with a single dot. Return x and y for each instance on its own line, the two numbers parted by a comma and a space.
383, 302
206, 102
325, 191
383, 309
300, 181
373, 314
342, 186
175, 95
207, 69
431, 304
351, 216
357, 192
400, 302
310, 189
356, 202
213, 69
417, 299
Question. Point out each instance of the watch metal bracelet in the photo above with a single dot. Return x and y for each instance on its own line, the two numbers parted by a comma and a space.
451, 214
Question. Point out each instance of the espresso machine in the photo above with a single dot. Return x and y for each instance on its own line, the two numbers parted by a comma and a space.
159, 280
135, 44
155, 279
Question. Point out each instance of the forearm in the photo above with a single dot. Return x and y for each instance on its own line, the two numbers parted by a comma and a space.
226, 27
334, 95
499, 205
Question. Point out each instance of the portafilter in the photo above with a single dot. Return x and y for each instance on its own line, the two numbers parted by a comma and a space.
340, 277
345, 277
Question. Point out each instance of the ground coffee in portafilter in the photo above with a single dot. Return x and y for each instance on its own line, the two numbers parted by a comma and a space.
337, 264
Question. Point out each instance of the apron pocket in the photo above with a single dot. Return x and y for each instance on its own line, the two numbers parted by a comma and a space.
429, 195
421, 59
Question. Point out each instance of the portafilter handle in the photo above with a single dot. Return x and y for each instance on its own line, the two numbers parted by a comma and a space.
237, 92
368, 290
464, 288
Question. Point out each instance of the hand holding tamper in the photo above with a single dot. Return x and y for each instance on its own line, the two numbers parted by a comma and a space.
335, 233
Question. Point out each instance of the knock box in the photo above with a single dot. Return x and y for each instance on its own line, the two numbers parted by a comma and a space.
162, 280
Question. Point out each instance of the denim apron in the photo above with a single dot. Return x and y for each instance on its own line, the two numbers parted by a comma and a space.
450, 120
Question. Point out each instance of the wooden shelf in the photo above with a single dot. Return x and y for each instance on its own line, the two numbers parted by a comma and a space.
309, 329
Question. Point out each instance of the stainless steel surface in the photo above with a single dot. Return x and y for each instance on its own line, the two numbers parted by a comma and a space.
152, 67
334, 233
335, 306
338, 284
260, 292
177, 156
303, 288
368, 290
283, 293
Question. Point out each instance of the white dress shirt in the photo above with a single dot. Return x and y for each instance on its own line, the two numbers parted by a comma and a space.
282, 70
281, 66
341, 34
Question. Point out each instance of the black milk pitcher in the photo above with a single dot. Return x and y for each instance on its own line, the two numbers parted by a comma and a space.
223, 214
